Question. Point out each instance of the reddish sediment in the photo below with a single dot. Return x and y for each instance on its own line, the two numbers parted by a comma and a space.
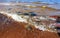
13, 29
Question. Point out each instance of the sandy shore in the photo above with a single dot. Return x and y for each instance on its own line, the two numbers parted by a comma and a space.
13, 29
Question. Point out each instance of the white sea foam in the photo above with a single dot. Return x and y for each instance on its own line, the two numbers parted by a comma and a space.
15, 17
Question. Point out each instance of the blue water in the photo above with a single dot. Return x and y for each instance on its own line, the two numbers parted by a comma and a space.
47, 1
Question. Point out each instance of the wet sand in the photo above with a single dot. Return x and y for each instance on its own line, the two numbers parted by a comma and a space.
12, 29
